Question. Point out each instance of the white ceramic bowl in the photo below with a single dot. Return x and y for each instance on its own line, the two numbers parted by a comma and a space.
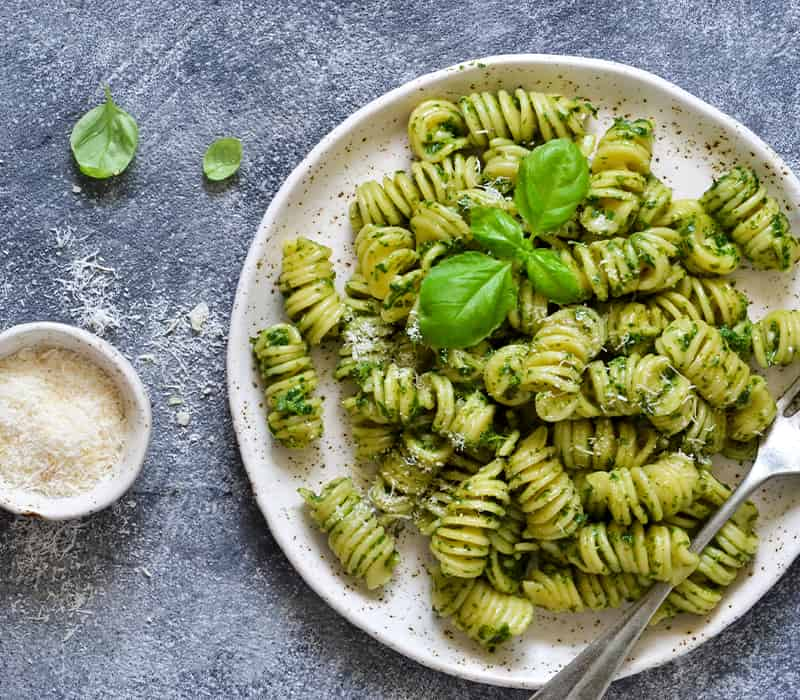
694, 142
136, 406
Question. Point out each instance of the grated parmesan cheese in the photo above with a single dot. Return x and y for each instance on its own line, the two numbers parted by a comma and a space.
62, 424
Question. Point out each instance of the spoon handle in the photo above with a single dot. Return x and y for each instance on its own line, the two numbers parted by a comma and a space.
588, 676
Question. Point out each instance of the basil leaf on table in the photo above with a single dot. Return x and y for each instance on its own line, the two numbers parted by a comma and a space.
551, 276
498, 232
104, 140
552, 181
463, 299
222, 158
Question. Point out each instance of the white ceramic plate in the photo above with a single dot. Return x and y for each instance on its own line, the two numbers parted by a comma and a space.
694, 141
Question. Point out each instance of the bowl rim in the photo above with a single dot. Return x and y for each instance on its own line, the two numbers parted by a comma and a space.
238, 332
50, 334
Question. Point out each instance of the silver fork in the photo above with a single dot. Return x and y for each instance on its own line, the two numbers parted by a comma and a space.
588, 676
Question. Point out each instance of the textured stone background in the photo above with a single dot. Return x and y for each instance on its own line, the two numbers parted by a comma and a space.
179, 591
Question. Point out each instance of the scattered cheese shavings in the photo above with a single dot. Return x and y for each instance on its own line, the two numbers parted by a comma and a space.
183, 418
198, 317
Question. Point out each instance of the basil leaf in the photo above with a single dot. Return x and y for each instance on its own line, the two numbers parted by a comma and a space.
223, 158
551, 276
463, 299
552, 181
104, 140
498, 232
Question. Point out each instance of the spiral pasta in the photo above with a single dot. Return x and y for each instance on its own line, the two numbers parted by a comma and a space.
506, 564
485, 615
619, 177
655, 202
387, 259
392, 201
373, 439
523, 116
709, 299
753, 218
501, 163
706, 430
504, 374
698, 352
561, 349
563, 589
407, 471
705, 249
648, 494
363, 547
658, 552
633, 326
434, 223
531, 309
294, 413
306, 281
618, 266
776, 338
543, 490
463, 366
754, 411
604, 443
436, 130
461, 541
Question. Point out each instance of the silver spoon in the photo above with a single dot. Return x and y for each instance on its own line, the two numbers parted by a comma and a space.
588, 676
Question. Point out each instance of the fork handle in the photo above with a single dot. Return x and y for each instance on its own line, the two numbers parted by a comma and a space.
588, 676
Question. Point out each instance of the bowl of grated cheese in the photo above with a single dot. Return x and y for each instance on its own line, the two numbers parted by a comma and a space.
75, 422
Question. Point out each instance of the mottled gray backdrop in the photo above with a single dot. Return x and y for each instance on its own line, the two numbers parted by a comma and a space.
179, 590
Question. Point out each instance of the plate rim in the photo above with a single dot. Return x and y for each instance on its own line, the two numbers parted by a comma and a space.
238, 333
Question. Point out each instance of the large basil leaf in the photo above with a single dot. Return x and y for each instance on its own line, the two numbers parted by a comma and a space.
552, 181
551, 276
498, 232
463, 299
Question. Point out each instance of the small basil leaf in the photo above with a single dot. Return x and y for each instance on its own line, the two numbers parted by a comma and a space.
222, 158
498, 232
104, 140
552, 181
463, 299
551, 276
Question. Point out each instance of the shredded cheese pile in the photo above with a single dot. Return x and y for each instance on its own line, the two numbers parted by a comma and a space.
62, 423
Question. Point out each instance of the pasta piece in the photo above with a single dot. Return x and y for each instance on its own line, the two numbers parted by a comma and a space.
373, 439
544, 491
648, 494
633, 326
655, 202
506, 564
604, 444
561, 349
483, 614
363, 547
753, 218
705, 249
392, 201
504, 373
436, 130
712, 300
619, 177
366, 344
706, 431
461, 541
387, 260
619, 266
658, 552
754, 412
523, 116
531, 309
776, 338
695, 595
463, 366
436, 223
698, 351
562, 589
501, 163
294, 414
306, 281
407, 471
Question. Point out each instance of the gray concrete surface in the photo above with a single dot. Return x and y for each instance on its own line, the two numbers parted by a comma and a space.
179, 590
